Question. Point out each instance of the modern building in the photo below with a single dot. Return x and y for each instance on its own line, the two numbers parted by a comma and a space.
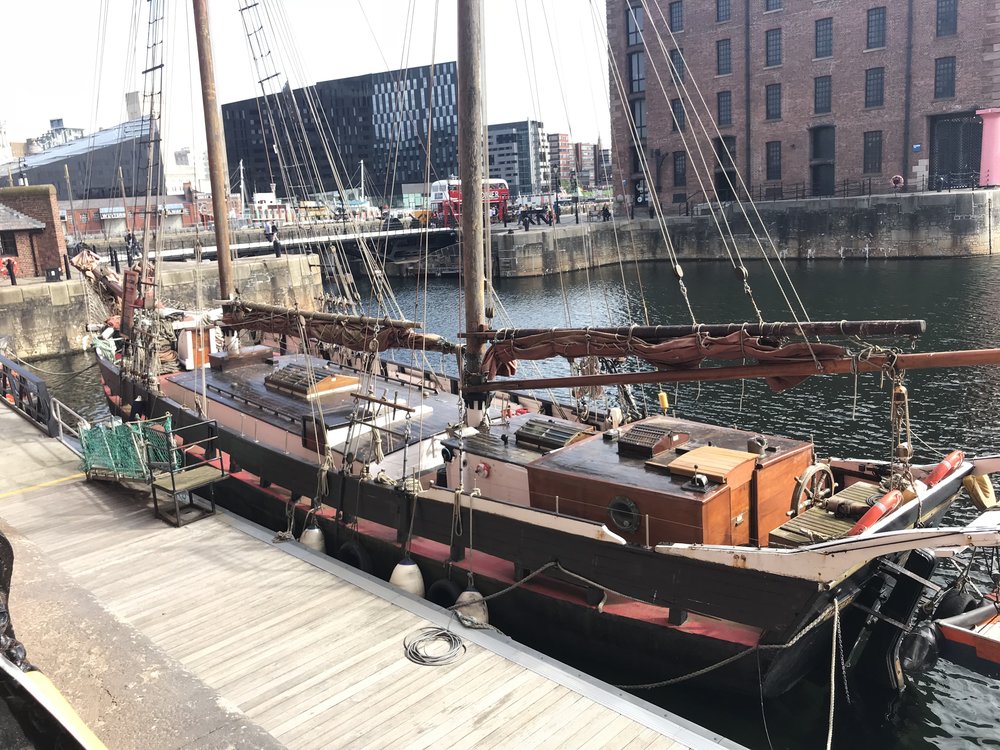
811, 97
583, 153
57, 135
604, 168
562, 162
381, 119
184, 167
93, 163
519, 154
406, 105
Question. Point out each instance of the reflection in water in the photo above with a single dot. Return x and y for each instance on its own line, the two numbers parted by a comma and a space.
949, 409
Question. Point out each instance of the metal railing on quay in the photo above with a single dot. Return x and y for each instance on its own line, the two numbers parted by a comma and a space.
67, 432
27, 394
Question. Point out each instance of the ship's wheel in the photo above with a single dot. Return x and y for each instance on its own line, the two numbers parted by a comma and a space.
812, 488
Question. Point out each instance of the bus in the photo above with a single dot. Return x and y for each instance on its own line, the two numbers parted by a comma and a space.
446, 201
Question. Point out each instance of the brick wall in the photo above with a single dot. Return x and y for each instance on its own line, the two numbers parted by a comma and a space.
39, 202
975, 46
25, 254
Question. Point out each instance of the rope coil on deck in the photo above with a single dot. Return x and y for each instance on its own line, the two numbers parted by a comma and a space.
422, 647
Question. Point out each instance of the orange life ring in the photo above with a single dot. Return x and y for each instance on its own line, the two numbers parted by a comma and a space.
882, 507
3, 267
943, 469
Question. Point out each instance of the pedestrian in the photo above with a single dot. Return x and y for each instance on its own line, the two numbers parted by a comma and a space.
605, 213
11, 271
557, 211
548, 216
525, 219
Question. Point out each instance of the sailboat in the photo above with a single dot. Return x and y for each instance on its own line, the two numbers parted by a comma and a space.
661, 549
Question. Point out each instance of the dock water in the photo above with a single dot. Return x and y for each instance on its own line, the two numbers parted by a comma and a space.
212, 635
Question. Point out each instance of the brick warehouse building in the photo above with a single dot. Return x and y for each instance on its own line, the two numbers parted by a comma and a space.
811, 96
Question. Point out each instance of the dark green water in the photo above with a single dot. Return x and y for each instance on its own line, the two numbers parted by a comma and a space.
948, 707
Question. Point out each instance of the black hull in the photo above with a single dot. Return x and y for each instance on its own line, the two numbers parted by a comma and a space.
623, 650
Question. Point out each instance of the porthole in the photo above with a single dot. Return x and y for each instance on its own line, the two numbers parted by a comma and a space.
624, 514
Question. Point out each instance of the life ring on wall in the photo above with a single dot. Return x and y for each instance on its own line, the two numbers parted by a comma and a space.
353, 554
943, 469
3, 267
882, 507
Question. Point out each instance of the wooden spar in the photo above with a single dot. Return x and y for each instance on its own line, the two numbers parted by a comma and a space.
874, 363
470, 167
659, 333
218, 170
263, 307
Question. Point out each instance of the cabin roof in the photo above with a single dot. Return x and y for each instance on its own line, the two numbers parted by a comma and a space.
15, 221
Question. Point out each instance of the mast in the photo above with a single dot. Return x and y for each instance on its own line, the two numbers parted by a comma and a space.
72, 211
217, 168
243, 193
470, 163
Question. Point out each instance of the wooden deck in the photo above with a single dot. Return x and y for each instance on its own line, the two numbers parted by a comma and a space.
308, 650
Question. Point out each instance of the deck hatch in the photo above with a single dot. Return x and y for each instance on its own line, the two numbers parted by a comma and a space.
646, 440
299, 382
547, 435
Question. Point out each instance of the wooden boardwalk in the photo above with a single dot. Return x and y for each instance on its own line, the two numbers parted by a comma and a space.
308, 650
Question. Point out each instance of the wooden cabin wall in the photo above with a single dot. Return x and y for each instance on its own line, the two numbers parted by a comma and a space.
773, 485
705, 519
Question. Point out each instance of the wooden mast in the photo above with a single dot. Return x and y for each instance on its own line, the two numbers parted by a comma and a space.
217, 167
470, 165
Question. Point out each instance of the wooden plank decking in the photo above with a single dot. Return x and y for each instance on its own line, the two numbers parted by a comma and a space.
307, 650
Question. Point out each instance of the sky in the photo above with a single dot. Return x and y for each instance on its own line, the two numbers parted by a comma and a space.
545, 59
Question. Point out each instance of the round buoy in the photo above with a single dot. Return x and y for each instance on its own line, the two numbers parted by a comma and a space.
472, 605
312, 537
406, 576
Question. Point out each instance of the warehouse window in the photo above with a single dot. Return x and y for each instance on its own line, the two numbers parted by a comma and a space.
873, 151
822, 94
876, 28
773, 160
874, 87
772, 47
725, 102
723, 57
824, 37
947, 17
772, 101
944, 77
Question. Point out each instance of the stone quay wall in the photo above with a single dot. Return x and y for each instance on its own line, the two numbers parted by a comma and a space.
45, 319
905, 225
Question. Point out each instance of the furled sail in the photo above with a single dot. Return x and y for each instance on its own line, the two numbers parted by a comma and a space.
355, 332
683, 352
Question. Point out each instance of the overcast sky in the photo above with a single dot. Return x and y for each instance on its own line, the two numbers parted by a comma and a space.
545, 59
